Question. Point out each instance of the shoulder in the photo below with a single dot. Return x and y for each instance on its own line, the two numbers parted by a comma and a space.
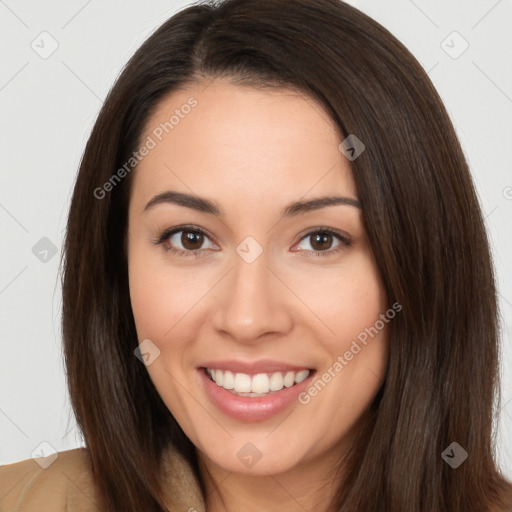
59, 482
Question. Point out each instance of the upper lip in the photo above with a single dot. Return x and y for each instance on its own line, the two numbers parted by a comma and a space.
253, 367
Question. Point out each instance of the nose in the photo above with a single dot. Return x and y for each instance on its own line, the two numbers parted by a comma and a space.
253, 302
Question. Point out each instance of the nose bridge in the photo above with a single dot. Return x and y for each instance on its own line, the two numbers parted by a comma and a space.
252, 302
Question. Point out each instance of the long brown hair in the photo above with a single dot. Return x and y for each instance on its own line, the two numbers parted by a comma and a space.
424, 225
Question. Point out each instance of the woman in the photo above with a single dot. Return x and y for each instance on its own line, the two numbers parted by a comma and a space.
277, 291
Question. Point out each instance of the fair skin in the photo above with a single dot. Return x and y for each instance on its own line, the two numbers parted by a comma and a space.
254, 152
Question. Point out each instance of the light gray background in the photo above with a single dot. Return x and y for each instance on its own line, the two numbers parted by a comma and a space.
48, 107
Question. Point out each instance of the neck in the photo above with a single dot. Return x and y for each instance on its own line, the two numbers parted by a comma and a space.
310, 485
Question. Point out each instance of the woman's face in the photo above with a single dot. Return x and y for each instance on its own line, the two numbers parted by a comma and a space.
256, 286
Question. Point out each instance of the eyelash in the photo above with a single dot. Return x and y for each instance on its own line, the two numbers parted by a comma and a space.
166, 234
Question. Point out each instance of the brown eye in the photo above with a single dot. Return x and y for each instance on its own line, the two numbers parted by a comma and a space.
191, 240
185, 241
321, 241
188, 242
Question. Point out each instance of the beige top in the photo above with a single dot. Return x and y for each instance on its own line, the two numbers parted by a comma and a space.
66, 485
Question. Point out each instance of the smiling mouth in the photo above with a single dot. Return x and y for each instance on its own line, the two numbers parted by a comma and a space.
257, 385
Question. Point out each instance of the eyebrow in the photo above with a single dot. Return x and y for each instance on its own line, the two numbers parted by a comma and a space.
206, 206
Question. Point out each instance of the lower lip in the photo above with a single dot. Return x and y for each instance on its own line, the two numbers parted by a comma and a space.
253, 408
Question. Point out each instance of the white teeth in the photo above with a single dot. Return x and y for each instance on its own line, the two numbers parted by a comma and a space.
276, 382
217, 376
257, 385
289, 379
242, 382
229, 380
260, 383
302, 375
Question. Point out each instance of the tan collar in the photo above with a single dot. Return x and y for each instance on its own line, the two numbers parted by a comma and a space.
67, 483
183, 493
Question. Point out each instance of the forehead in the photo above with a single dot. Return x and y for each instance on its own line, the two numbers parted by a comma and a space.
241, 144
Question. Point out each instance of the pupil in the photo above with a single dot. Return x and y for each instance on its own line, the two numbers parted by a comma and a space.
321, 239
191, 240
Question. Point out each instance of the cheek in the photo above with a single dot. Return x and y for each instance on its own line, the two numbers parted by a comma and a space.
364, 348
153, 292
345, 300
165, 299
350, 302
148, 312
